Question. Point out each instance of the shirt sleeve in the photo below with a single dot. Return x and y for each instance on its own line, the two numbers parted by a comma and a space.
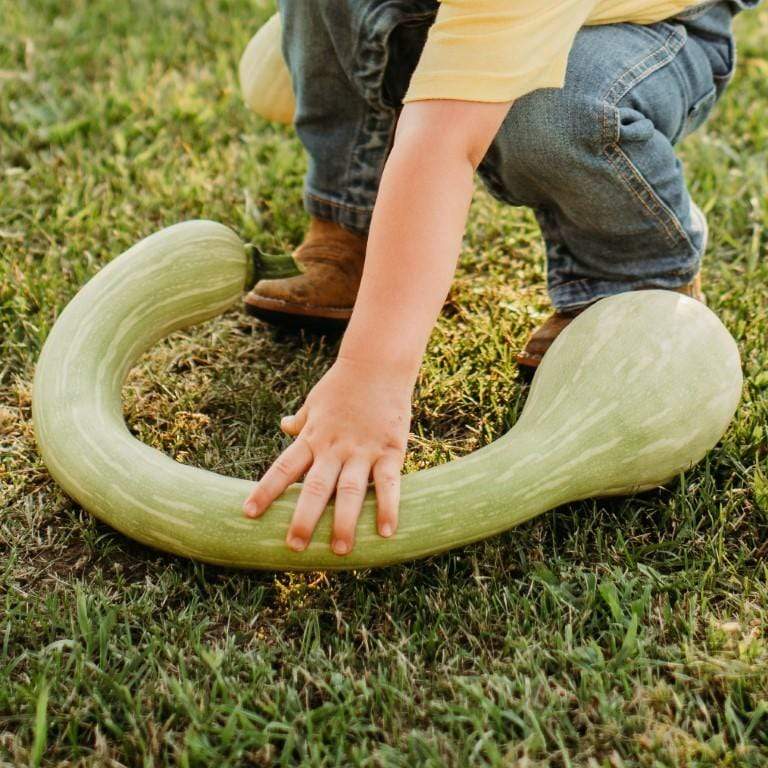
497, 50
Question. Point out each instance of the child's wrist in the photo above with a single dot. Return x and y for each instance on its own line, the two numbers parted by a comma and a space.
400, 369
394, 355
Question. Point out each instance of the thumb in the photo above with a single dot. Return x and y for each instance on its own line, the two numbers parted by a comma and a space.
292, 425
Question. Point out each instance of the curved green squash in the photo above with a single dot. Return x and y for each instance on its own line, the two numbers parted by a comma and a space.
638, 388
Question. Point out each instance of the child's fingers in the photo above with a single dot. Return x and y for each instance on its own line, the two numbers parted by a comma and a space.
386, 477
293, 424
289, 466
350, 492
316, 491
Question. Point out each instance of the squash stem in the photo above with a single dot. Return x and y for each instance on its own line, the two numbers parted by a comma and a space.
269, 266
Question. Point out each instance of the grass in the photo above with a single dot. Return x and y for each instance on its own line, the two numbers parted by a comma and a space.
629, 632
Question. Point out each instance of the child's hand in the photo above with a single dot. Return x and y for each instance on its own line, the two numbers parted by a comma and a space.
353, 424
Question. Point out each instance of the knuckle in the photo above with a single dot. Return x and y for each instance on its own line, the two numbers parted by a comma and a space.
388, 478
350, 486
307, 434
282, 467
315, 486
393, 453
344, 449
393, 443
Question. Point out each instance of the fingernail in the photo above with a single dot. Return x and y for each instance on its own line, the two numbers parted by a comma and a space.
340, 547
386, 529
251, 509
297, 544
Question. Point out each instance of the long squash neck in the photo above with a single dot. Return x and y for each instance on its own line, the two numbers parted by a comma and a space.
495, 487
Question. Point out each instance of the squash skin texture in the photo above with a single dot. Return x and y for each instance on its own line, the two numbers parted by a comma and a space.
635, 390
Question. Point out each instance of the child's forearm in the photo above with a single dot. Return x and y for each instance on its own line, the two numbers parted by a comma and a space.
415, 236
354, 423
413, 245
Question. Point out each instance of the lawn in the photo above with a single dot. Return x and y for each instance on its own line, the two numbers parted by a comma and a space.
629, 632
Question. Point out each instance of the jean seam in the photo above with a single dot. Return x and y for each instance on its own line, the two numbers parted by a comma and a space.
642, 190
336, 203
613, 94
628, 173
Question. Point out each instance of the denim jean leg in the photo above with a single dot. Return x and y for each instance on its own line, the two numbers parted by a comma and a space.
596, 158
338, 53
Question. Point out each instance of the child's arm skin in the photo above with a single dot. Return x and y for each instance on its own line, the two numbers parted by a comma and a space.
355, 421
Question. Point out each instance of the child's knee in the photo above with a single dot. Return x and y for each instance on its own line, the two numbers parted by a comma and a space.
549, 142
558, 129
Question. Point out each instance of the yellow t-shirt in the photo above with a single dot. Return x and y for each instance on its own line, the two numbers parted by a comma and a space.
499, 50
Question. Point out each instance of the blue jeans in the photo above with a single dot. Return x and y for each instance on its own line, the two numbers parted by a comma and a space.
595, 160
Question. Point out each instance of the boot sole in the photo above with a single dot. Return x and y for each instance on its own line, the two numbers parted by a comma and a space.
286, 314
526, 367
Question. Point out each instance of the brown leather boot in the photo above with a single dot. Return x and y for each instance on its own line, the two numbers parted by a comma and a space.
322, 296
541, 339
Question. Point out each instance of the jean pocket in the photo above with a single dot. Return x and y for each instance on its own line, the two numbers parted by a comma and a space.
699, 112
725, 64
713, 32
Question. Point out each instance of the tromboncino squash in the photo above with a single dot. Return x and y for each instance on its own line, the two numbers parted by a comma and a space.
635, 390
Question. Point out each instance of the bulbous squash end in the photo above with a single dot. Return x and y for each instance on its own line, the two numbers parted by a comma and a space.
265, 82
